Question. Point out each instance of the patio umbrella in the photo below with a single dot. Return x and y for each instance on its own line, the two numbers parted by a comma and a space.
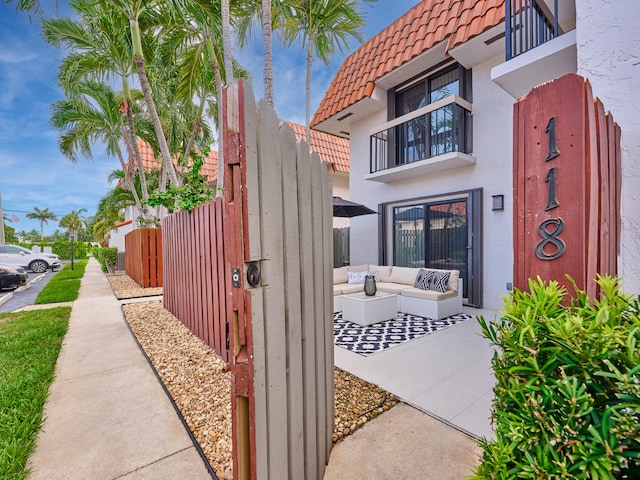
345, 208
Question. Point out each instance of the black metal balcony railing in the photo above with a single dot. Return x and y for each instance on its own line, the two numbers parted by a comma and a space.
528, 25
442, 130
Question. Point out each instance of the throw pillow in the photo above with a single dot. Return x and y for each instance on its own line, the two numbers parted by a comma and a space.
439, 281
356, 277
423, 279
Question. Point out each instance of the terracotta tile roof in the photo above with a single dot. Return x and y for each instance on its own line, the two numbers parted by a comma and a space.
209, 169
425, 25
331, 149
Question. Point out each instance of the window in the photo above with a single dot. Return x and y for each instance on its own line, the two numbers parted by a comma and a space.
438, 132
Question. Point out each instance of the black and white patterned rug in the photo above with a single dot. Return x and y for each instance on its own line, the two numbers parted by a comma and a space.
379, 336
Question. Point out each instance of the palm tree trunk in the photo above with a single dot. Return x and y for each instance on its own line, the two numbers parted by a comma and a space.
194, 132
308, 100
127, 182
219, 85
132, 146
138, 58
226, 41
268, 52
157, 126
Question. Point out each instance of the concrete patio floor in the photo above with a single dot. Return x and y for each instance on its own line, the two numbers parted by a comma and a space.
446, 374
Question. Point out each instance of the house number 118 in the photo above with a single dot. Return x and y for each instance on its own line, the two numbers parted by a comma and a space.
550, 228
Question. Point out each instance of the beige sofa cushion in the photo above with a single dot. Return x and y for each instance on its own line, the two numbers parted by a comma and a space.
391, 287
352, 288
404, 275
340, 275
337, 289
427, 294
358, 268
384, 272
454, 279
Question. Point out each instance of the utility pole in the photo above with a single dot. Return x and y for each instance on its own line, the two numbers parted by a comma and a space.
1, 220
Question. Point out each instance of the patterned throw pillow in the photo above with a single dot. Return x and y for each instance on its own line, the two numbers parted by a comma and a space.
356, 277
423, 279
439, 281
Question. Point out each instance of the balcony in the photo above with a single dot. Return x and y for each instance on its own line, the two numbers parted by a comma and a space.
428, 140
529, 24
540, 44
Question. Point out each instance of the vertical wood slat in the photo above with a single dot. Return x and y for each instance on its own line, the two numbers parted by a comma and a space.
308, 310
318, 270
293, 317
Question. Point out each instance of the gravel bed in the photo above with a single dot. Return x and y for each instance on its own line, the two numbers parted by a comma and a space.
199, 382
124, 287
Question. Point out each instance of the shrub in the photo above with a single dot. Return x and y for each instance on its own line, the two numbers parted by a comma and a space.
107, 257
567, 394
63, 249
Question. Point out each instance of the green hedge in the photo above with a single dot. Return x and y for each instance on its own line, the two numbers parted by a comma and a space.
63, 249
106, 257
567, 394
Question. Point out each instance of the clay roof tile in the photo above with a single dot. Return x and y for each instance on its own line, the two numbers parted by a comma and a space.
423, 26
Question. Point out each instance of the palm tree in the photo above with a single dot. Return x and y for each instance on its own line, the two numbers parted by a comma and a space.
110, 211
90, 115
73, 222
99, 50
43, 216
322, 26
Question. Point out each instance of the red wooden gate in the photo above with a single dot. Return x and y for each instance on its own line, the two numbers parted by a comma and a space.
143, 256
566, 186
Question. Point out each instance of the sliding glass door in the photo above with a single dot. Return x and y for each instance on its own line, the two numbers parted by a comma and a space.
438, 232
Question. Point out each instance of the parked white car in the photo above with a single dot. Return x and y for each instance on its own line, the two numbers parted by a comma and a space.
23, 257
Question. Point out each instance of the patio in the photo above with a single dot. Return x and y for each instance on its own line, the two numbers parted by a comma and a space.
446, 374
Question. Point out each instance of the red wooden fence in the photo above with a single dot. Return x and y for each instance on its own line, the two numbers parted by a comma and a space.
143, 258
195, 291
566, 186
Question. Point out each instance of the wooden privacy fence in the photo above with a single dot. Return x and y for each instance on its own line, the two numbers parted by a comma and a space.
143, 256
263, 251
566, 186
195, 288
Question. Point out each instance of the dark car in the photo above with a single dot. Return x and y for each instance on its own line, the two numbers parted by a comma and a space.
11, 277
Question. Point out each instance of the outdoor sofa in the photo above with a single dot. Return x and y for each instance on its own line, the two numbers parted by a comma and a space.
414, 297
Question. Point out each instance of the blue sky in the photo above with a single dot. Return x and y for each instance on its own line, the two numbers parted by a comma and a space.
33, 173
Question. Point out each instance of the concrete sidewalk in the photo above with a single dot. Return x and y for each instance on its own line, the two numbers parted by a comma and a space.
107, 416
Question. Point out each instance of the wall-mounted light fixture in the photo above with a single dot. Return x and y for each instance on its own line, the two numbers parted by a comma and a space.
498, 202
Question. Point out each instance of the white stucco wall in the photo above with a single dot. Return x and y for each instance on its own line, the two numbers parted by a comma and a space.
340, 183
116, 238
607, 39
492, 147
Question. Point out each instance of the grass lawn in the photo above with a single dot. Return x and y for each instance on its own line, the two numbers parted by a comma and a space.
64, 285
29, 346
